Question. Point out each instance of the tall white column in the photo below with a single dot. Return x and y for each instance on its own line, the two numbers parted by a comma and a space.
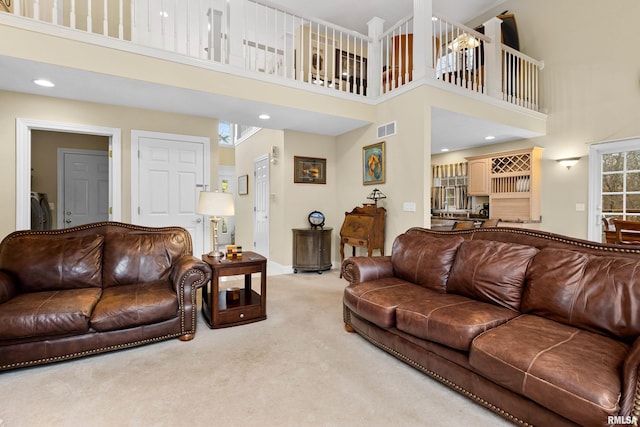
374, 61
492, 58
422, 39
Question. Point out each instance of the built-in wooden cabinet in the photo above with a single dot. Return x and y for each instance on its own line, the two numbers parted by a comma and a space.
478, 176
513, 182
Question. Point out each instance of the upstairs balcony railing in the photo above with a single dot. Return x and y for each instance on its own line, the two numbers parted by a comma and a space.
264, 38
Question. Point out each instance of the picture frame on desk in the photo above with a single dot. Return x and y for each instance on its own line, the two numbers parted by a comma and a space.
373, 164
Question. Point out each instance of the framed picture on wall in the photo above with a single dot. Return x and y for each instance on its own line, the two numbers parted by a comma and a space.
373, 164
243, 185
309, 170
349, 65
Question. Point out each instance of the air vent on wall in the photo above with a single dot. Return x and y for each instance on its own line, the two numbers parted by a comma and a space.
387, 130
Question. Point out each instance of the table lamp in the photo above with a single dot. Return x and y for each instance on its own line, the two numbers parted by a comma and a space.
376, 195
216, 205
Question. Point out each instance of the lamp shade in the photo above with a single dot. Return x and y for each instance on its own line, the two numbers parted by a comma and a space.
214, 203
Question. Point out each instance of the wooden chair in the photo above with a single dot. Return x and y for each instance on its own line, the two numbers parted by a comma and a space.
608, 230
627, 232
489, 223
462, 225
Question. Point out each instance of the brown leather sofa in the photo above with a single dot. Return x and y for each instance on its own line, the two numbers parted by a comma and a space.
95, 288
539, 328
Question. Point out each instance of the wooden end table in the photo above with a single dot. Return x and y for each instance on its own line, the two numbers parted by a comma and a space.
221, 312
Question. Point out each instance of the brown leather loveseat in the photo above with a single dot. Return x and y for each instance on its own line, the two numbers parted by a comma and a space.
540, 328
95, 288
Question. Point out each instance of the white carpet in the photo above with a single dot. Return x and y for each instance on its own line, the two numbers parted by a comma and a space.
297, 368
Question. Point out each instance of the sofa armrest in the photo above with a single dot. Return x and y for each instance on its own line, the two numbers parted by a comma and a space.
190, 271
363, 269
630, 396
8, 287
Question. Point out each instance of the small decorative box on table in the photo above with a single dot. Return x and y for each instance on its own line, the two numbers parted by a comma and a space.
242, 305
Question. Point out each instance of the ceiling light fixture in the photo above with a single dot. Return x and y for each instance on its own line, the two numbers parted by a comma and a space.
571, 161
44, 83
489, 138
463, 42
264, 117
444, 150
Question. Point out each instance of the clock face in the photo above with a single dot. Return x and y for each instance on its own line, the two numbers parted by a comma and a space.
316, 219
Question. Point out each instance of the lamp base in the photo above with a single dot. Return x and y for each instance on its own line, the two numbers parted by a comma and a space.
216, 254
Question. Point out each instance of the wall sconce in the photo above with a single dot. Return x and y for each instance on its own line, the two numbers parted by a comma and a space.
376, 195
568, 162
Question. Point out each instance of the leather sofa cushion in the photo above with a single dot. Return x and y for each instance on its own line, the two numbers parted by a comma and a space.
49, 313
449, 319
46, 263
424, 260
597, 293
135, 258
491, 271
127, 306
376, 300
573, 372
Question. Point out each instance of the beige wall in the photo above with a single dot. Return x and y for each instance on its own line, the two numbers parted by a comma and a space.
299, 200
290, 203
405, 163
227, 156
14, 105
44, 159
247, 153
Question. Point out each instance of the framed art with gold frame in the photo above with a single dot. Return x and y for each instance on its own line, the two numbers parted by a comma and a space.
373, 164
243, 185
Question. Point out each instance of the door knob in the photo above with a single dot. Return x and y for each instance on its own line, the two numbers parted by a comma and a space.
199, 220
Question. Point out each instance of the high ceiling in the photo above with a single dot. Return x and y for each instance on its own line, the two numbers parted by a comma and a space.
352, 14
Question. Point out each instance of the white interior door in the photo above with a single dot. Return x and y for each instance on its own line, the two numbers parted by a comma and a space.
170, 175
83, 187
261, 206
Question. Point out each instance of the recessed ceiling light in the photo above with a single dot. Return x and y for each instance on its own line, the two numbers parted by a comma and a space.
264, 117
489, 137
44, 83
444, 150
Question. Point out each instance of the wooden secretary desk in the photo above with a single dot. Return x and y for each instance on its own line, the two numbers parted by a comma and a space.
363, 227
